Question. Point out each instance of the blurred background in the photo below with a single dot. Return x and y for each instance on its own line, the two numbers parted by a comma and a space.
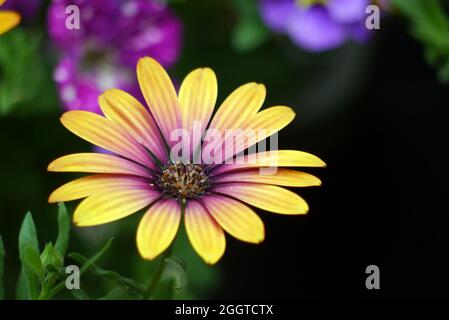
373, 106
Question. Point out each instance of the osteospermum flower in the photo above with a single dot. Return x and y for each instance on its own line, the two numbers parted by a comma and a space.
8, 19
212, 198
103, 52
317, 25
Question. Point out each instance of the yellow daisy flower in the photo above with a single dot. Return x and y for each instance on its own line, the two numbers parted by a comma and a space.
8, 19
212, 198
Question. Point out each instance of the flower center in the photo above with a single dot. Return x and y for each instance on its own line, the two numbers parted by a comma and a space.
181, 181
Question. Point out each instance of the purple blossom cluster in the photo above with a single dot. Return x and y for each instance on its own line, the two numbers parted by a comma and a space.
317, 25
103, 52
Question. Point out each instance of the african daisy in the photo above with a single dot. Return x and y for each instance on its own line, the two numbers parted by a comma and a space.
141, 172
8, 19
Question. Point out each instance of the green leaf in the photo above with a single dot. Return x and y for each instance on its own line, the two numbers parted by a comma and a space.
430, 26
62, 241
176, 270
174, 279
91, 261
22, 292
110, 275
28, 238
51, 257
33, 260
2, 268
27, 235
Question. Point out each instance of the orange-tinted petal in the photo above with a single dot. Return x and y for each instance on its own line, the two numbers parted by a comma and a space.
266, 197
244, 102
197, 97
158, 228
130, 114
112, 205
274, 158
90, 185
205, 235
160, 95
105, 134
241, 104
235, 218
282, 177
257, 128
97, 163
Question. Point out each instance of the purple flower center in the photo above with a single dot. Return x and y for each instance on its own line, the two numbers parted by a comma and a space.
181, 181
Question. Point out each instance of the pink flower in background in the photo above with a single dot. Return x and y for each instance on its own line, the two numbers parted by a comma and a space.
103, 52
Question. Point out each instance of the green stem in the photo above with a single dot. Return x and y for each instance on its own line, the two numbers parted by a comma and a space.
149, 291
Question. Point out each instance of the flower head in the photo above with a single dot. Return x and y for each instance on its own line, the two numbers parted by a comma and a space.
103, 52
317, 25
8, 19
143, 171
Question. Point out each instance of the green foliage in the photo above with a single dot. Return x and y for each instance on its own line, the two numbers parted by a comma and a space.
62, 241
21, 72
2, 268
92, 260
250, 32
33, 261
174, 278
430, 25
28, 239
113, 276
44, 276
51, 259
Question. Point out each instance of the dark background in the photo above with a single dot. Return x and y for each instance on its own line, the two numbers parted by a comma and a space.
375, 113
383, 199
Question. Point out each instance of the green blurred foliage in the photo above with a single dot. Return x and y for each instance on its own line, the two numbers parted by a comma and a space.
430, 25
249, 32
25, 82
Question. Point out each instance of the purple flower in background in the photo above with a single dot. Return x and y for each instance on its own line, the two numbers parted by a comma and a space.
103, 52
27, 8
317, 25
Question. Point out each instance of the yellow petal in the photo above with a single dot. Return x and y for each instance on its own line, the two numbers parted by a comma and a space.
105, 134
235, 218
257, 128
282, 177
160, 95
244, 102
265, 197
2, 2
158, 228
131, 115
97, 163
8, 20
274, 158
205, 235
112, 205
87, 186
197, 97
